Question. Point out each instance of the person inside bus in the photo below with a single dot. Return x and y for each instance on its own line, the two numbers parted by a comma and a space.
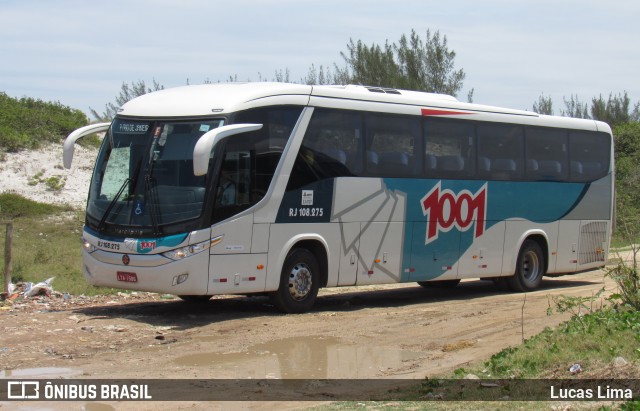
226, 195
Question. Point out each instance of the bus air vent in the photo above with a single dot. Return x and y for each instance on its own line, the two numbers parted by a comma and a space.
382, 90
592, 237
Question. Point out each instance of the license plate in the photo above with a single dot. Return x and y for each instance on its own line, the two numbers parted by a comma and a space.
127, 277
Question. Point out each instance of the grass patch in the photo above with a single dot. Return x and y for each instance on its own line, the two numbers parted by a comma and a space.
46, 243
592, 340
14, 206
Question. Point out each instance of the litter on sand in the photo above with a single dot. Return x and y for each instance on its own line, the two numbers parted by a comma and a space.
43, 287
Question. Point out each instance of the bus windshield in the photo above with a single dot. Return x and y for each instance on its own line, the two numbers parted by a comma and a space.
144, 177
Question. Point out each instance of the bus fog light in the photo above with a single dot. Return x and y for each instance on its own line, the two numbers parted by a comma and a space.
180, 279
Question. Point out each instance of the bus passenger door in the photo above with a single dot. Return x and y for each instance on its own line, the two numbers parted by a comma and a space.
349, 245
233, 267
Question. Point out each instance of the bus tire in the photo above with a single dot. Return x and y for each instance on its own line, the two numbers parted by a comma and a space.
439, 284
299, 282
195, 298
529, 268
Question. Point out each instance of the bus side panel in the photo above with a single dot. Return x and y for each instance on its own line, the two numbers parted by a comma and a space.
380, 253
438, 259
568, 237
349, 256
484, 257
582, 245
236, 234
378, 214
237, 273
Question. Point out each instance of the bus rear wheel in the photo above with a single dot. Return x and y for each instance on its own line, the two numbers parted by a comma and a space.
530, 268
299, 282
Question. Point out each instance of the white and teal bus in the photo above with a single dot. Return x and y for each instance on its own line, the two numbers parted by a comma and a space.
283, 189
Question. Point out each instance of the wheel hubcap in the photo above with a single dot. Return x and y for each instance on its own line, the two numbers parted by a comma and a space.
300, 281
531, 266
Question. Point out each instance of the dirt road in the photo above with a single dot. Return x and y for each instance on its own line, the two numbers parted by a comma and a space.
400, 331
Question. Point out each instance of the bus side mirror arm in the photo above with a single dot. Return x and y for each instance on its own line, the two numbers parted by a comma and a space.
202, 149
70, 141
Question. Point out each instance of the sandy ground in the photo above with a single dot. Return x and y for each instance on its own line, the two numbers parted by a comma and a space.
25, 173
392, 331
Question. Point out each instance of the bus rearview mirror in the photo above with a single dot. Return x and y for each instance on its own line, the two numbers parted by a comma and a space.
70, 141
202, 149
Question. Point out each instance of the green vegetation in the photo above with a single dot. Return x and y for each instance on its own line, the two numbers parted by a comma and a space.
27, 123
13, 206
593, 340
53, 183
616, 110
46, 243
412, 64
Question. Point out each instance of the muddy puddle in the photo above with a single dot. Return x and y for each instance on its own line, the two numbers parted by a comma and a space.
304, 357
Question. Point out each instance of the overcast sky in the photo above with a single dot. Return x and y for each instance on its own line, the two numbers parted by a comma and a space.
80, 52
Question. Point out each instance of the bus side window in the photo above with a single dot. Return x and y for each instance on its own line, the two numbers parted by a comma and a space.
500, 151
391, 145
589, 153
549, 148
449, 149
331, 148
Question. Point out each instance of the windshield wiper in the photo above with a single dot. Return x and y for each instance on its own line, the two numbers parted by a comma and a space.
112, 204
151, 191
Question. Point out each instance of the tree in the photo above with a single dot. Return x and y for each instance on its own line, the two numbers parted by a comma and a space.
544, 105
371, 65
320, 76
574, 108
413, 64
616, 110
127, 92
627, 143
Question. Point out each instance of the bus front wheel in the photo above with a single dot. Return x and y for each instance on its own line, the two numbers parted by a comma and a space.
529, 268
299, 282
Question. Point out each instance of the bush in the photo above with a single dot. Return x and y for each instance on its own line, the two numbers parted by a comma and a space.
26, 123
628, 285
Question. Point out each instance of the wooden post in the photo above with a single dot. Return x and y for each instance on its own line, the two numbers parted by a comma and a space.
7, 258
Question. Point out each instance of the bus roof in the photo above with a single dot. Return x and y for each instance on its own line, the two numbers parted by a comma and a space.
223, 98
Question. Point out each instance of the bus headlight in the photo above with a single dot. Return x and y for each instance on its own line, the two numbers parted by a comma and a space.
188, 251
87, 246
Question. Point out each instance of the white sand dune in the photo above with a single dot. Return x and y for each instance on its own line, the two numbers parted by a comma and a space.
26, 173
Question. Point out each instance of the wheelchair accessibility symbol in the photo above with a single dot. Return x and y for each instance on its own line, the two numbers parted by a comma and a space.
139, 208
